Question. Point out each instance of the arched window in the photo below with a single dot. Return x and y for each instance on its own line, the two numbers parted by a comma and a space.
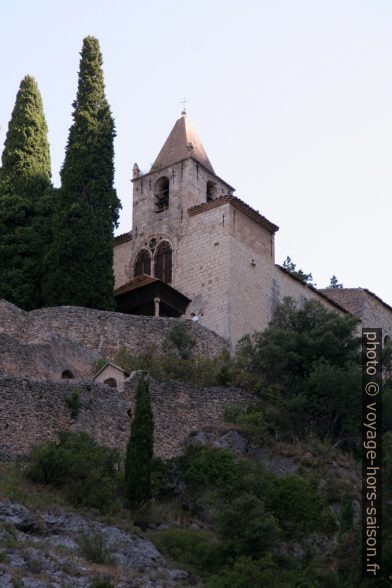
163, 262
111, 382
142, 263
161, 194
211, 191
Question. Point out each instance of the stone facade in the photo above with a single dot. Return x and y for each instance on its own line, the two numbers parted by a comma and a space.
222, 250
40, 408
112, 376
365, 305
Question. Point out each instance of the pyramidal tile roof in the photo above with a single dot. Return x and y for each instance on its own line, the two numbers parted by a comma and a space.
183, 142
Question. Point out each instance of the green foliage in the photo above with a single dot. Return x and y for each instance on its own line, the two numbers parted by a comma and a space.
346, 514
73, 402
93, 547
138, 461
307, 369
182, 340
26, 200
85, 471
198, 551
334, 283
101, 583
199, 369
204, 467
297, 506
78, 267
245, 526
263, 572
291, 267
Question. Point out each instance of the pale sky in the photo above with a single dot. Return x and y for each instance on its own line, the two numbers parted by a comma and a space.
292, 101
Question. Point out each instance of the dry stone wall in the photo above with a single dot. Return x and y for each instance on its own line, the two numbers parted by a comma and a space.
104, 332
32, 412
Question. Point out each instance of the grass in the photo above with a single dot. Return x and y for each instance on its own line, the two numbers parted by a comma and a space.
14, 486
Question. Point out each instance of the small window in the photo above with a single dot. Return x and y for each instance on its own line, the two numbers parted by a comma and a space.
163, 262
111, 382
161, 194
211, 191
387, 340
67, 375
142, 263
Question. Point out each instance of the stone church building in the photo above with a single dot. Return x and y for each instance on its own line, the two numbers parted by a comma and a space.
196, 249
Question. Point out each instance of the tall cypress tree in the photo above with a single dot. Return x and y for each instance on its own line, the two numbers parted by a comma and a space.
140, 449
25, 199
79, 265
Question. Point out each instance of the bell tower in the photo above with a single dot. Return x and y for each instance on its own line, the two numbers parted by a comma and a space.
181, 177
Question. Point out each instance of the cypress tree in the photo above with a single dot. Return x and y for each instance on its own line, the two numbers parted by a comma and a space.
79, 265
140, 449
25, 199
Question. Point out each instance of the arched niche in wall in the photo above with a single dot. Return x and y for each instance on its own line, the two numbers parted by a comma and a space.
111, 382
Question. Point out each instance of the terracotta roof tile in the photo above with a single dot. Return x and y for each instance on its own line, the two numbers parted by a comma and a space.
123, 238
240, 205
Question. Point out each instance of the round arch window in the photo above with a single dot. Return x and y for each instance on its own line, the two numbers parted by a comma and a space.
163, 262
142, 263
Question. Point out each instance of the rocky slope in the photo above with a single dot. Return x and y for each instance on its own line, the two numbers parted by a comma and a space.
58, 549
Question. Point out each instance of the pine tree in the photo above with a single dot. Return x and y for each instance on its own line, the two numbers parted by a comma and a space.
334, 283
140, 449
25, 199
79, 266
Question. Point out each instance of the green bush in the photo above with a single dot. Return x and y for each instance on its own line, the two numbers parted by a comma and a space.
203, 467
86, 472
346, 514
197, 550
246, 528
93, 547
182, 340
73, 402
247, 572
297, 506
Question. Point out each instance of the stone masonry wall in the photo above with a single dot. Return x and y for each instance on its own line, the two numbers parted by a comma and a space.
40, 409
103, 332
367, 307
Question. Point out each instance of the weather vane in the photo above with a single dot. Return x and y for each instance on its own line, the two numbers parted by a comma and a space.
183, 102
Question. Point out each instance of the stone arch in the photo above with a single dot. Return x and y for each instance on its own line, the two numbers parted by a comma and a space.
142, 264
163, 262
161, 194
111, 382
67, 375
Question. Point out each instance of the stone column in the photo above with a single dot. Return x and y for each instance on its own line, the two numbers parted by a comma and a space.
157, 303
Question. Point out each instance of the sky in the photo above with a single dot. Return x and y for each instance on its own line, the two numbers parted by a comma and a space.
292, 101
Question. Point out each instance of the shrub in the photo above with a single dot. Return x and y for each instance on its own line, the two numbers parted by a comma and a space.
346, 514
85, 471
93, 547
197, 550
203, 467
297, 506
182, 340
73, 402
246, 528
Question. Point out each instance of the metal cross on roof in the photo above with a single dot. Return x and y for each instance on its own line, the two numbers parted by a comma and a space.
183, 102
